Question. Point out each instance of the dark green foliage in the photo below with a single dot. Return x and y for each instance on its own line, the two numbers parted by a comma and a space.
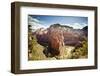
81, 52
85, 28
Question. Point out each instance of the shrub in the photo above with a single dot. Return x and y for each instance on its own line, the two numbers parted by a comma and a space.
81, 52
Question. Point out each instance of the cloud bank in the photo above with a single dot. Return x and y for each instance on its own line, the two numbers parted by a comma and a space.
36, 24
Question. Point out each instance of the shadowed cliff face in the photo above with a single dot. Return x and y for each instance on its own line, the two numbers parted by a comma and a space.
56, 36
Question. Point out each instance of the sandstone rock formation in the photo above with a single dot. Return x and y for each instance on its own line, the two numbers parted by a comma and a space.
57, 36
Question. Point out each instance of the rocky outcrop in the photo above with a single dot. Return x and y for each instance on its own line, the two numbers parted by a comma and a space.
56, 41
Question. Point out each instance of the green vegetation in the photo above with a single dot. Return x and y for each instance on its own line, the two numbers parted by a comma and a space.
35, 50
80, 52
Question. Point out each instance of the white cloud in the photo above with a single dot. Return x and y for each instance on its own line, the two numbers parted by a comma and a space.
33, 19
77, 25
36, 24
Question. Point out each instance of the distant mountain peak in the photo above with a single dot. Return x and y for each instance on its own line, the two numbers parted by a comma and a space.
59, 25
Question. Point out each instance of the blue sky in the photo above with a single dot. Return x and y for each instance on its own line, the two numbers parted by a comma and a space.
47, 20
